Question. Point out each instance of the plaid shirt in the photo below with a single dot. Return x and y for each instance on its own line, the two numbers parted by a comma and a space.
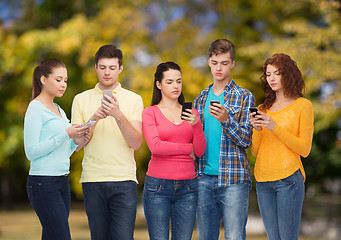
236, 134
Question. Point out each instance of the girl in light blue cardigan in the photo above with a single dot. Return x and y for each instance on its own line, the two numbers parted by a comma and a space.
49, 141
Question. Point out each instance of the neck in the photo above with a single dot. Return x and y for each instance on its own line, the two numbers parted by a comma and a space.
219, 86
111, 87
45, 98
169, 103
280, 98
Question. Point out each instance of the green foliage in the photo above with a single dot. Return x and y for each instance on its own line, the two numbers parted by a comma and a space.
149, 32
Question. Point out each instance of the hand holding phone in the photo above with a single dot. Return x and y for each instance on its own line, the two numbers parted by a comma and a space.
214, 101
109, 93
185, 106
254, 109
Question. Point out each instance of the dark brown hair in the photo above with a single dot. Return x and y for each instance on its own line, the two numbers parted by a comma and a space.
221, 46
161, 68
291, 78
45, 68
109, 51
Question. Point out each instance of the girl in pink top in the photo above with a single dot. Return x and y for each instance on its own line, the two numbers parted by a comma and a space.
170, 187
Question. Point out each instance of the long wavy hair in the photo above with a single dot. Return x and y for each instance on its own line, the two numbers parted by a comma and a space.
160, 69
291, 78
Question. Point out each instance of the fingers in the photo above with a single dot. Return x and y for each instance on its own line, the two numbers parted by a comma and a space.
187, 113
217, 105
217, 110
109, 107
100, 113
80, 130
107, 98
87, 137
112, 100
189, 116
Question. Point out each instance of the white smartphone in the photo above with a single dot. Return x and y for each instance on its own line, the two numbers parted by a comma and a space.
90, 123
107, 92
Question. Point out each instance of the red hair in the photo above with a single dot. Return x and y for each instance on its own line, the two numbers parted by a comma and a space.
291, 78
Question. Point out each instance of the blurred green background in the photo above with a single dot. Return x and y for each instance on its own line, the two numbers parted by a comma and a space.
149, 32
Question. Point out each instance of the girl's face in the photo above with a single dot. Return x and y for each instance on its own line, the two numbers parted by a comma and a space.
274, 78
171, 84
55, 84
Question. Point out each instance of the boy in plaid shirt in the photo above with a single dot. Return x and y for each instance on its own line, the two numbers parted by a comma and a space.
224, 180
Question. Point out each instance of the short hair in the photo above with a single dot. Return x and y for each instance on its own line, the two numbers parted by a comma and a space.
109, 51
160, 69
45, 68
291, 78
221, 46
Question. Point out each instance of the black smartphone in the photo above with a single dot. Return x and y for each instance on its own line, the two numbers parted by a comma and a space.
186, 105
254, 109
214, 101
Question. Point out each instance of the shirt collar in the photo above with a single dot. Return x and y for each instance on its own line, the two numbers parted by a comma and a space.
230, 85
116, 90
227, 88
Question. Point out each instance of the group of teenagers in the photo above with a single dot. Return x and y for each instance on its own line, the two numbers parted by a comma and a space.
199, 169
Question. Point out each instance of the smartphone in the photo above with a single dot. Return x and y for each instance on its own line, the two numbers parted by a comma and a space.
214, 101
185, 106
107, 92
90, 123
254, 109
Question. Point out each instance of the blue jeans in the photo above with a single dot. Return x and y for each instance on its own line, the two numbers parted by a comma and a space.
170, 200
217, 203
111, 209
280, 205
51, 199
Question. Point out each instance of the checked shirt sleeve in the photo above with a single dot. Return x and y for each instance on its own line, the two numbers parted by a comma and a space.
240, 130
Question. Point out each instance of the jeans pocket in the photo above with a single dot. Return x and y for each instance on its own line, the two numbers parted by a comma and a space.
193, 185
292, 179
34, 181
151, 186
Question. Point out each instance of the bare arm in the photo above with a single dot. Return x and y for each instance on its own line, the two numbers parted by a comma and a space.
131, 130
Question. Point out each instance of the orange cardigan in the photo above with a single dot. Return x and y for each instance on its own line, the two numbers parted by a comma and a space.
278, 152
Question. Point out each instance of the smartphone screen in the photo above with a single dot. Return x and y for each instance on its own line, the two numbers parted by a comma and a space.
107, 92
186, 105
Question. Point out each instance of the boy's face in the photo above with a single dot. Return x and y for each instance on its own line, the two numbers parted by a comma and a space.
221, 66
108, 70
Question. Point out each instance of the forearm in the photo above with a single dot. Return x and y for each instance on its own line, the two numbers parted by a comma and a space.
256, 139
80, 143
199, 141
239, 134
37, 150
131, 131
300, 145
155, 144
238, 127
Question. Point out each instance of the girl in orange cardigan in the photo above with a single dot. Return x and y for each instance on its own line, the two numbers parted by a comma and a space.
283, 132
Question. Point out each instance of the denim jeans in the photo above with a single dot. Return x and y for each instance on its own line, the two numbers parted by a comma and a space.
51, 199
217, 203
170, 200
111, 209
280, 204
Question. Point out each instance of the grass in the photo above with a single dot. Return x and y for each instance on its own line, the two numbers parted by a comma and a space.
24, 224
